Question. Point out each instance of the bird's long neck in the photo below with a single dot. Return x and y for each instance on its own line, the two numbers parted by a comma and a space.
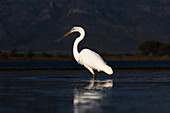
75, 46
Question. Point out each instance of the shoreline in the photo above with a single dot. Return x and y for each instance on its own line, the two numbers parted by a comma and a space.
70, 58
81, 68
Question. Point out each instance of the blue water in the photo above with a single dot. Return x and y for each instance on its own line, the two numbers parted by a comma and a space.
75, 64
74, 91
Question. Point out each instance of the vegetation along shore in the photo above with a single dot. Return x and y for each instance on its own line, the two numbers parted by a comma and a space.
149, 50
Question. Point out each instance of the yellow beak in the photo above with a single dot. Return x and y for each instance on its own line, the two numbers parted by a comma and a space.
67, 33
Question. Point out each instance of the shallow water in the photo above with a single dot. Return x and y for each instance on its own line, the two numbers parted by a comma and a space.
74, 91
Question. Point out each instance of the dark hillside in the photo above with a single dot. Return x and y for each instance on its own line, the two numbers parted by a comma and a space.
112, 26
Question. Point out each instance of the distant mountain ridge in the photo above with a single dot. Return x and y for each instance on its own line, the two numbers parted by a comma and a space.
112, 26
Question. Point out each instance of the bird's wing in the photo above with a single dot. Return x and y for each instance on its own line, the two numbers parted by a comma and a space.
91, 59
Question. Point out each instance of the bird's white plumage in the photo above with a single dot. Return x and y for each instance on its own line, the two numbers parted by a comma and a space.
90, 59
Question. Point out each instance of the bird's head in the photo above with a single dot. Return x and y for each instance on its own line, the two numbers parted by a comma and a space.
74, 29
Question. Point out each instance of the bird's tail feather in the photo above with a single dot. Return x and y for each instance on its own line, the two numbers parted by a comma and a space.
107, 69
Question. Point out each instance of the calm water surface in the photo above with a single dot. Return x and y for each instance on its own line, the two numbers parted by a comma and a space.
74, 91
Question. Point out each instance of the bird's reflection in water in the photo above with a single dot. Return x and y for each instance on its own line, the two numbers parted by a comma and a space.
92, 96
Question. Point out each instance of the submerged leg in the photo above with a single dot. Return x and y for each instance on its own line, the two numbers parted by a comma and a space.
94, 77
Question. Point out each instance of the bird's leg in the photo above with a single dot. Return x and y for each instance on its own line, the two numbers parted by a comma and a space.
94, 77
91, 70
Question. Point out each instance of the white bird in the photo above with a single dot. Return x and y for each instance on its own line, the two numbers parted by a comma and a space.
90, 59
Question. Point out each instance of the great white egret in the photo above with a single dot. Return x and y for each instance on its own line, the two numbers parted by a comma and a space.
90, 59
